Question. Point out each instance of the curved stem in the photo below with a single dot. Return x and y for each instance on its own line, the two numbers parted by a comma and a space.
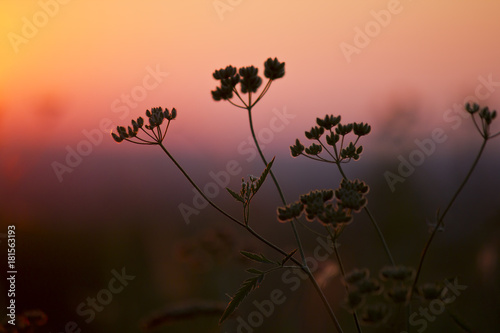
459, 322
341, 171
296, 234
319, 159
152, 138
328, 151
375, 224
342, 271
198, 189
268, 243
304, 266
238, 106
264, 91
465, 179
441, 218
259, 237
241, 99
380, 236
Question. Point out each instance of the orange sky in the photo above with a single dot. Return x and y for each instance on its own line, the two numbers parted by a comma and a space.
86, 54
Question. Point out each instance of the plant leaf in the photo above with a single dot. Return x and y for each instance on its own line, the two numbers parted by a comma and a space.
255, 271
257, 257
263, 176
245, 289
235, 195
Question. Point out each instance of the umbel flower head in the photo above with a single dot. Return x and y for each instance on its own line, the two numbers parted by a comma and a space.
229, 78
274, 69
156, 116
349, 197
250, 81
336, 132
486, 117
248, 78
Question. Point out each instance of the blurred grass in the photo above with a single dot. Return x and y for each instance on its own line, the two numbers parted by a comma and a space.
61, 264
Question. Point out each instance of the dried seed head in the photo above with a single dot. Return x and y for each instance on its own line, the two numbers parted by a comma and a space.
290, 211
273, 69
361, 129
343, 129
328, 122
356, 275
430, 291
397, 273
315, 133
398, 294
354, 300
375, 314
296, 149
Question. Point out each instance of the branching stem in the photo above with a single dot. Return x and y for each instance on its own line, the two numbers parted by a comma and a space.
440, 220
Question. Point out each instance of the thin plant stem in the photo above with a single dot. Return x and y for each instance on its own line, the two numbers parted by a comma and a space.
262, 239
374, 222
264, 91
342, 272
459, 322
380, 235
296, 234
198, 189
441, 218
337, 161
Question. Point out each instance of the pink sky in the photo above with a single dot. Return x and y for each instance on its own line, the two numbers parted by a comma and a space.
64, 77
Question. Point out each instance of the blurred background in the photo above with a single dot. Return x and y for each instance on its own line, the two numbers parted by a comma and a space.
87, 209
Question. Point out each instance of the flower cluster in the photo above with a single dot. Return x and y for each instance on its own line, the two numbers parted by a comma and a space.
398, 279
273, 69
131, 133
350, 196
291, 211
393, 283
248, 78
360, 287
337, 132
485, 115
156, 117
397, 273
314, 202
229, 79
430, 291
375, 314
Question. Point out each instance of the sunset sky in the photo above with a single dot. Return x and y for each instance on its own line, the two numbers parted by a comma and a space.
64, 77
70, 69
